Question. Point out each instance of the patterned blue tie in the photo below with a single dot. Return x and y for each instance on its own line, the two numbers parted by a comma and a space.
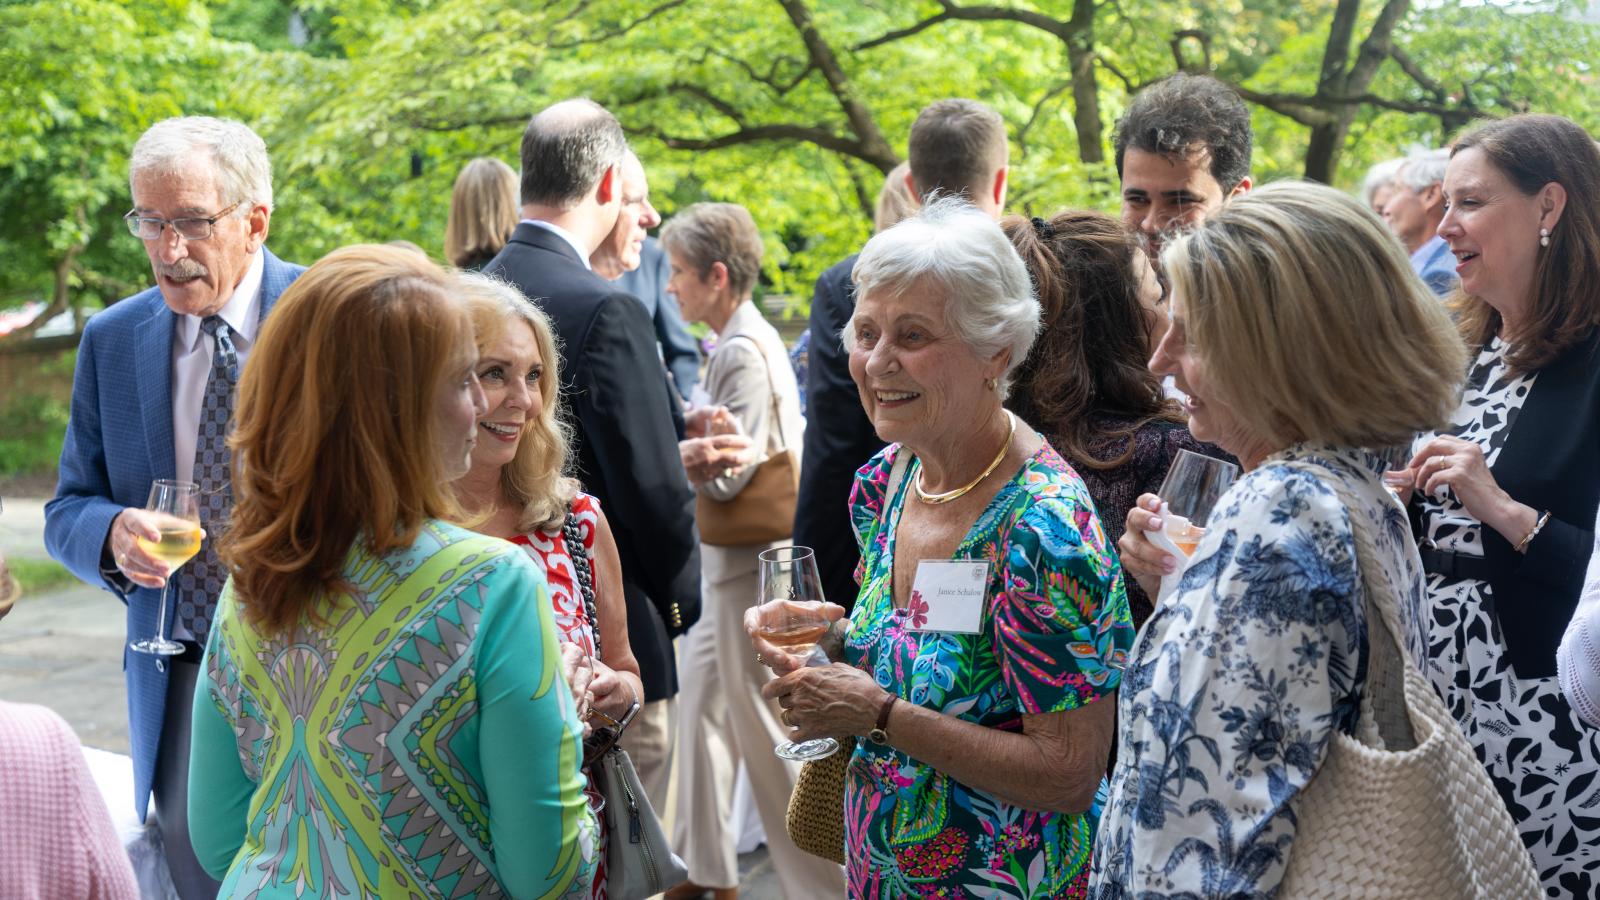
200, 582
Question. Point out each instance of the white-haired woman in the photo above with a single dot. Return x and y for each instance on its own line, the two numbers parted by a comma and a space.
1240, 679
991, 620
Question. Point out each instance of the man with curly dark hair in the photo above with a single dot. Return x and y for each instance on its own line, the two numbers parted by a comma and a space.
1182, 149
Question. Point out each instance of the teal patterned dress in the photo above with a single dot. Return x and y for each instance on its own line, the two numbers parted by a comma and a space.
422, 743
1054, 633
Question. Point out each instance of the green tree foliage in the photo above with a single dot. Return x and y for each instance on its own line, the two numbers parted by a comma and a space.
795, 108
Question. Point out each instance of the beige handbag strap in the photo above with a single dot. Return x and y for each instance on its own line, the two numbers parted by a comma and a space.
772, 392
1383, 722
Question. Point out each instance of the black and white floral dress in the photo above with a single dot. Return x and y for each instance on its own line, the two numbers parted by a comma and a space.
1543, 759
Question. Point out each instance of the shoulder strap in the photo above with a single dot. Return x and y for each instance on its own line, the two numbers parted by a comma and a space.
897, 473
772, 391
583, 573
1384, 722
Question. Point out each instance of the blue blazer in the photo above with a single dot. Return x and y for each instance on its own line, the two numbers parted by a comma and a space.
648, 285
119, 439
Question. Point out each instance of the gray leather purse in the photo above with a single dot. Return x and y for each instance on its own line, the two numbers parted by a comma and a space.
639, 861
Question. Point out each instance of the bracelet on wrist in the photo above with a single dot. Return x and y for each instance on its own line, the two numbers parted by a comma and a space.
1522, 546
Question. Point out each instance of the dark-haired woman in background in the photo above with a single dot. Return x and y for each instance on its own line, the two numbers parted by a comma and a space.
1086, 386
1506, 492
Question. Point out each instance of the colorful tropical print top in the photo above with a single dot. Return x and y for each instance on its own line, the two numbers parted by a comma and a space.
420, 743
1053, 635
1239, 680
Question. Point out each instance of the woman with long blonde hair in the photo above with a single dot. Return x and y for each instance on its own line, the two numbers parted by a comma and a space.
518, 489
375, 675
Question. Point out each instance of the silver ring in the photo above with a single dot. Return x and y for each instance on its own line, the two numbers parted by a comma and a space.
760, 660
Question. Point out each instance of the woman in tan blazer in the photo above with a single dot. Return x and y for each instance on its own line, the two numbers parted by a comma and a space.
715, 255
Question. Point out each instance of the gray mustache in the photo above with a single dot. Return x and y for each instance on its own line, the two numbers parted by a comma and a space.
183, 268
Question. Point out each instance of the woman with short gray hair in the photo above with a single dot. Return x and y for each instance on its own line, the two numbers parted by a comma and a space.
980, 735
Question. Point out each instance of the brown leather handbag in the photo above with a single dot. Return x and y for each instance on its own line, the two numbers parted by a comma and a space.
764, 511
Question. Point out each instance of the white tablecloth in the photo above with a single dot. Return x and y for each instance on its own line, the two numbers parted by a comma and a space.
113, 774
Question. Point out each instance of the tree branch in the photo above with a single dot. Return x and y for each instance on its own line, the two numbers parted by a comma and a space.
1375, 49
899, 33
819, 135
771, 78
952, 12
616, 32
1414, 71
873, 148
1109, 66
1322, 110
717, 103
1038, 109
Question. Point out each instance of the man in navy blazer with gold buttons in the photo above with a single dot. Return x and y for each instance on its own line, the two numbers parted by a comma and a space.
150, 399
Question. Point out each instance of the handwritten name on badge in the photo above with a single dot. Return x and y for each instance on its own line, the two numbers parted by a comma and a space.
947, 595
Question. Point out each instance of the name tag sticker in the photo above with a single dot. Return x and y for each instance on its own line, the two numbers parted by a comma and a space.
947, 595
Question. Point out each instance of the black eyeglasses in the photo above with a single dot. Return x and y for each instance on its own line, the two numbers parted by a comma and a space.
194, 228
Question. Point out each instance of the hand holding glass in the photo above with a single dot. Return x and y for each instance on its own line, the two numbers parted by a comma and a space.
790, 618
176, 503
1191, 490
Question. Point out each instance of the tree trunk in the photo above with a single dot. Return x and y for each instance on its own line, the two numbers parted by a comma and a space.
1085, 88
1336, 80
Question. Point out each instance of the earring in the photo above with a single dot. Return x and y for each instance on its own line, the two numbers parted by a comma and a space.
1544, 237
990, 383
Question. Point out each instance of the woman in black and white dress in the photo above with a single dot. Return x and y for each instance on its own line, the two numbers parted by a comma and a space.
1506, 494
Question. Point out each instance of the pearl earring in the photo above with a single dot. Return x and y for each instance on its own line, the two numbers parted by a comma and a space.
1544, 237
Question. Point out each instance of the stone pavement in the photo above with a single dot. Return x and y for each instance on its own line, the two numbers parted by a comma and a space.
63, 649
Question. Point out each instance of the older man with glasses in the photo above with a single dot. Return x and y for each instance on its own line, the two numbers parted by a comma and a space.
152, 398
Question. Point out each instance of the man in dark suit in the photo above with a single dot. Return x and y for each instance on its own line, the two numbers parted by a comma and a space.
956, 147
624, 445
152, 398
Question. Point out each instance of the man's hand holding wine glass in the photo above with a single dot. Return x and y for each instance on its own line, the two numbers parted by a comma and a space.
142, 567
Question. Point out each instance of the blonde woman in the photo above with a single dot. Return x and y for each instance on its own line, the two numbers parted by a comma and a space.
1292, 308
715, 252
483, 213
517, 488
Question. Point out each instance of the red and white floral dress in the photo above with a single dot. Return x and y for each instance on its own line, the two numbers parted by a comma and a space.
549, 550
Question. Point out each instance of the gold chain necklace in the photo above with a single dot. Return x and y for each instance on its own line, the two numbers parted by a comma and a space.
960, 492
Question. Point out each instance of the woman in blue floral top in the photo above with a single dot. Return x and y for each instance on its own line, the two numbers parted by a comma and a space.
1292, 309
991, 620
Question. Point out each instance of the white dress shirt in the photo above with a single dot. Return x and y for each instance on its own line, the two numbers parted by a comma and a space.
565, 235
191, 366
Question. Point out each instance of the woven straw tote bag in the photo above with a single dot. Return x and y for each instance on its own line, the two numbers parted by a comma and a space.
816, 808
1403, 808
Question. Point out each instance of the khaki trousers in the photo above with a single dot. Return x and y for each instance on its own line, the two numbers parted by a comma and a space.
726, 720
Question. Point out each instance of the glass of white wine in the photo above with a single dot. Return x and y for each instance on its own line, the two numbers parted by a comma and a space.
177, 505
790, 618
1191, 490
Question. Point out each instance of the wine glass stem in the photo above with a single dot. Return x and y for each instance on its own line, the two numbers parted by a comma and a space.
161, 613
